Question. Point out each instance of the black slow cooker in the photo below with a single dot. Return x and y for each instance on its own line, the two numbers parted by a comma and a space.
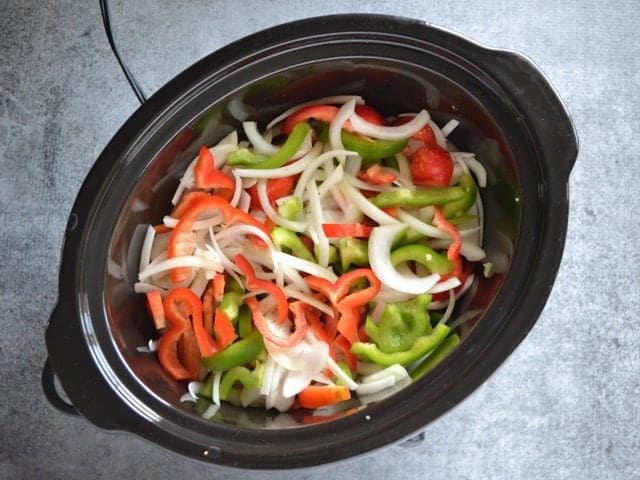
509, 116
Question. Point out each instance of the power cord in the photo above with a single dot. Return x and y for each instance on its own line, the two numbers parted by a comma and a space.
137, 90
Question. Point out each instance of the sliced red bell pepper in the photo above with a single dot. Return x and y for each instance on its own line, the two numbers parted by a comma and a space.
181, 241
207, 176
223, 330
186, 202
183, 303
276, 188
218, 287
299, 322
342, 344
453, 253
339, 230
348, 305
254, 283
326, 113
315, 396
208, 307
432, 166
377, 175
176, 351
161, 228
156, 309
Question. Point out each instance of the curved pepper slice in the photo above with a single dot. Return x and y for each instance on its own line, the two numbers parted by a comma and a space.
408, 197
370, 149
254, 283
453, 253
377, 175
181, 241
288, 239
242, 375
300, 324
462, 205
326, 113
426, 256
437, 356
346, 304
278, 159
238, 353
177, 349
422, 346
207, 176
340, 230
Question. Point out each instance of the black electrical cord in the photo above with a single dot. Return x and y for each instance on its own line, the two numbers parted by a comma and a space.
104, 10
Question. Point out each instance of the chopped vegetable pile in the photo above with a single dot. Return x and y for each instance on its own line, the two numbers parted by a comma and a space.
317, 262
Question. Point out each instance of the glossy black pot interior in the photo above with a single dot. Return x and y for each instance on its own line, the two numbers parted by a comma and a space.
510, 117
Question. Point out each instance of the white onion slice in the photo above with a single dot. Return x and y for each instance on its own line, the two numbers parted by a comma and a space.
305, 266
449, 127
368, 208
404, 171
468, 250
421, 227
379, 250
271, 212
215, 393
331, 181
317, 219
337, 99
437, 133
172, 222
338, 372
309, 300
395, 371
313, 166
211, 411
260, 145
142, 287
399, 132
335, 127
438, 305
449, 310
191, 261
447, 284
145, 254
237, 193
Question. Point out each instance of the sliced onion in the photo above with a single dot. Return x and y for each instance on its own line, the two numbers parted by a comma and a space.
309, 300
438, 305
468, 250
199, 283
395, 371
142, 287
449, 127
368, 208
317, 219
338, 372
421, 227
215, 393
191, 261
145, 254
404, 170
310, 169
237, 193
359, 184
445, 285
464, 317
379, 250
437, 133
260, 145
399, 132
331, 181
197, 225
447, 313
211, 411
286, 171
352, 165
295, 279
272, 214
337, 99
305, 266
335, 127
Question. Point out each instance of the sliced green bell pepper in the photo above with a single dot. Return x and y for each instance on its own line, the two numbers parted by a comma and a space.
400, 325
437, 356
289, 240
333, 252
245, 323
434, 261
423, 345
370, 149
248, 378
238, 353
462, 205
408, 197
283, 155
353, 251
230, 305
290, 208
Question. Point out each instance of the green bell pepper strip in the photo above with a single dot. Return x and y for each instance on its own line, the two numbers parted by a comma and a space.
245, 323
231, 285
400, 325
238, 353
243, 157
248, 378
462, 205
435, 262
407, 237
283, 155
437, 356
370, 149
333, 252
353, 251
408, 197
290, 208
207, 389
423, 345
288, 239
230, 305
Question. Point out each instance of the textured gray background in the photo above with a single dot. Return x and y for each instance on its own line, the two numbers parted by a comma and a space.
565, 404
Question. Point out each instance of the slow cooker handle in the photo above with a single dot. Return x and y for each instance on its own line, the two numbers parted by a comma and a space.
51, 391
536, 98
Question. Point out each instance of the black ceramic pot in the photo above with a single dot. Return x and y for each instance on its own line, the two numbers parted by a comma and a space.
510, 117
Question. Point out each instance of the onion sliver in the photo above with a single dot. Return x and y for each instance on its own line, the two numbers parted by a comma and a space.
312, 166
400, 132
260, 145
368, 208
191, 261
305, 266
286, 171
335, 127
309, 300
145, 254
338, 372
272, 214
379, 255
422, 227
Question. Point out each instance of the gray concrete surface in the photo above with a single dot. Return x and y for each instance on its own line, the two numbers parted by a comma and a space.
565, 404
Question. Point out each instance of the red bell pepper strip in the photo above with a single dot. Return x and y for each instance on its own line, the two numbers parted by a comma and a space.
344, 346
315, 396
299, 321
223, 330
177, 351
218, 287
208, 307
181, 241
326, 113
377, 175
340, 230
161, 228
348, 305
206, 175
183, 302
156, 309
186, 202
453, 253
253, 283
431, 166
276, 188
